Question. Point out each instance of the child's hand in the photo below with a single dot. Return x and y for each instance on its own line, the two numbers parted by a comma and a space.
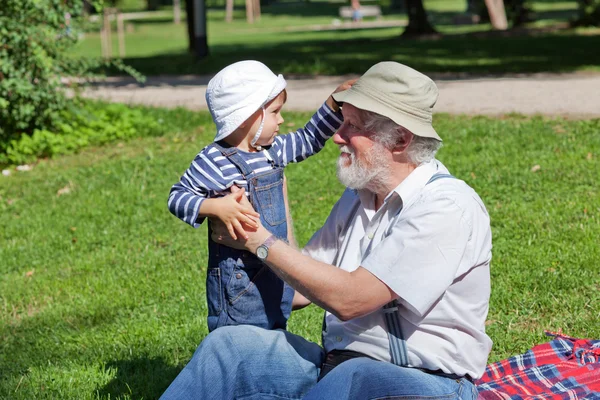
334, 105
235, 211
346, 85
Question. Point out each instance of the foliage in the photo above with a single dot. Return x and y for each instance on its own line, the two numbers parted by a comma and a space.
84, 124
285, 40
589, 13
36, 43
102, 289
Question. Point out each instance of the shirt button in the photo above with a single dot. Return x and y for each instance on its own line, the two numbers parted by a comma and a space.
370, 236
338, 338
238, 275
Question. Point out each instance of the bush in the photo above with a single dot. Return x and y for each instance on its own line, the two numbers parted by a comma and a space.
35, 53
93, 123
88, 124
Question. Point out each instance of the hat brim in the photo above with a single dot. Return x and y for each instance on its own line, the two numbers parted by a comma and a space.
364, 102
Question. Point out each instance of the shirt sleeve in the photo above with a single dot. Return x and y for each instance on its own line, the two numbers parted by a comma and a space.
298, 146
420, 256
203, 179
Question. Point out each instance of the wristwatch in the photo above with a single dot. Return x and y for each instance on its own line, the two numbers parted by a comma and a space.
262, 251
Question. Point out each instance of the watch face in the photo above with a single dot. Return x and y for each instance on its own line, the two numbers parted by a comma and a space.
262, 252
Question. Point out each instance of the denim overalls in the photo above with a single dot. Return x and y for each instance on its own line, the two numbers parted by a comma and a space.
240, 289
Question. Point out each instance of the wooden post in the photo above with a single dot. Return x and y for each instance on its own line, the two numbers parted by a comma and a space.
107, 37
121, 35
177, 12
103, 41
228, 10
497, 14
249, 11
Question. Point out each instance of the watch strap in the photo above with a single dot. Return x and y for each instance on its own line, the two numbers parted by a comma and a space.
269, 241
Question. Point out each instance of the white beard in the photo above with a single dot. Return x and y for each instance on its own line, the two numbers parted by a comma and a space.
368, 174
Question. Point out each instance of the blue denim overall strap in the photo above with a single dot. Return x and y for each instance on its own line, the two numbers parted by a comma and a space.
232, 154
265, 189
240, 288
398, 348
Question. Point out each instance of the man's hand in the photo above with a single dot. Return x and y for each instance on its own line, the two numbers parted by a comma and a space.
235, 212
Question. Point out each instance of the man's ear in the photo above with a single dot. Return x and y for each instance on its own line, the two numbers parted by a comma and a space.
405, 138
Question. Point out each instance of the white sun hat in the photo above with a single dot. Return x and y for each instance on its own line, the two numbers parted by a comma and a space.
239, 90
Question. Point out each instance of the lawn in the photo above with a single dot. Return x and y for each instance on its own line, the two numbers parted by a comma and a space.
285, 41
101, 289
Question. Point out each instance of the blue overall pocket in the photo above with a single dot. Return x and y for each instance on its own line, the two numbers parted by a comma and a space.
245, 296
270, 205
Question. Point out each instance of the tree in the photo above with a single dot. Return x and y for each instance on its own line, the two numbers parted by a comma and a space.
418, 23
36, 42
189, 10
196, 31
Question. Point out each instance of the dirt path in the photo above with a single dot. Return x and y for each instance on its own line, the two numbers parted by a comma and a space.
574, 95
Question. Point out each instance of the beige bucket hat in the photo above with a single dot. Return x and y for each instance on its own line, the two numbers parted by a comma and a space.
398, 92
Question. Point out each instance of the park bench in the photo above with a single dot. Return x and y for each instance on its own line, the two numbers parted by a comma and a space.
365, 11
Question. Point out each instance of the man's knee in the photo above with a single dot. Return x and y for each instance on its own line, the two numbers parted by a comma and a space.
230, 340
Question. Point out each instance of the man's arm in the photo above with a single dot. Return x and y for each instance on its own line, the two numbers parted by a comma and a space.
416, 262
329, 287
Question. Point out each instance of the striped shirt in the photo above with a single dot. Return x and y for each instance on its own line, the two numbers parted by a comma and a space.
211, 174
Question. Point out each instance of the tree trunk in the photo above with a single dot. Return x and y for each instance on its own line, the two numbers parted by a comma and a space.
397, 5
497, 14
152, 5
176, 12
228, 10
418, 23
189, 10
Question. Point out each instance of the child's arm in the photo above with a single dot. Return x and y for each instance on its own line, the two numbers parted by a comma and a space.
299, 301
309, 140
203, 182
232, 211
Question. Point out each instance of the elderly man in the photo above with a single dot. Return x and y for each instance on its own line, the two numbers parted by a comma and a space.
401, 267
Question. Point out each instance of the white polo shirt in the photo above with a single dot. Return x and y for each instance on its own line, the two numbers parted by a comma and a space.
431, 244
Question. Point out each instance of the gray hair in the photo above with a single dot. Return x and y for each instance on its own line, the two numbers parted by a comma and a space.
388, 133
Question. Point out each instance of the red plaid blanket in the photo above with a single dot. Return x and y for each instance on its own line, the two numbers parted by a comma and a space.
564, 368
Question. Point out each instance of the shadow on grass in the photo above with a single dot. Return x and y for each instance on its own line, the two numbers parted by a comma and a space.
478, 54
145, 378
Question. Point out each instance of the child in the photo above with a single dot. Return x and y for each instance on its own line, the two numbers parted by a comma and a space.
245, 100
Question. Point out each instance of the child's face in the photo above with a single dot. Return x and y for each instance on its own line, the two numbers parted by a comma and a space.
273, 120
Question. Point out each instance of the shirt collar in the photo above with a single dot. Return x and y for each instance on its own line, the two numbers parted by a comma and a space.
417, 179
409, 187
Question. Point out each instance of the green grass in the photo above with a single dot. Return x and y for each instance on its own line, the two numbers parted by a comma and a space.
102, 290
160, 47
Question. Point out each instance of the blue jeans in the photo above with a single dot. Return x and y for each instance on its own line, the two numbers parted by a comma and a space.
247, 362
